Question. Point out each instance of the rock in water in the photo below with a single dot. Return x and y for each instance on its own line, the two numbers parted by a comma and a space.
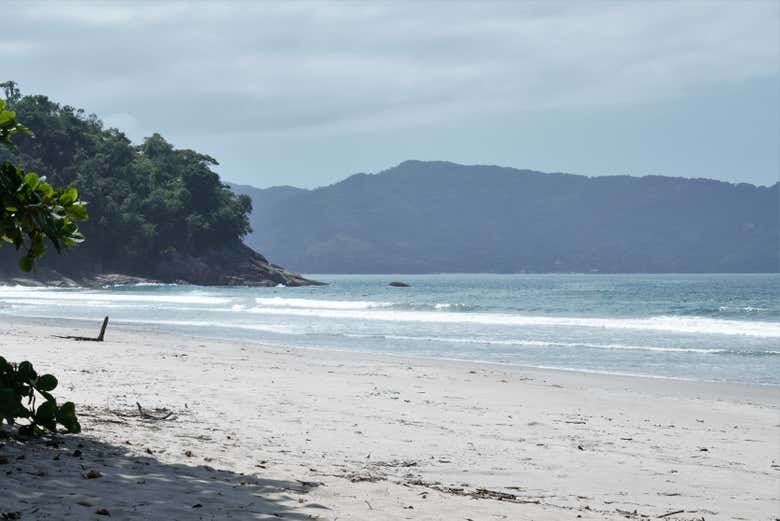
397, 284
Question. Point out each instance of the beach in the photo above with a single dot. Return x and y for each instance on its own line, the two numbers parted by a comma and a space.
239, 430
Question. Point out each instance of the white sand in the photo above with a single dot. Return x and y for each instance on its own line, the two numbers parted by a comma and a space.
269, 433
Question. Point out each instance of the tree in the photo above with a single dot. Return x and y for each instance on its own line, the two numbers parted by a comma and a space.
164, 202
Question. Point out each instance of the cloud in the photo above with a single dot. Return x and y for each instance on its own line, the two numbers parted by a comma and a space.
311, 69
303, 66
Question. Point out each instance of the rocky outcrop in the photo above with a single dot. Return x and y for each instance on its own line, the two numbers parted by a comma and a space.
236, 265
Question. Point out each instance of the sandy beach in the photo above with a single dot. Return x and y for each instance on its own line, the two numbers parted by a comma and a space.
269, 433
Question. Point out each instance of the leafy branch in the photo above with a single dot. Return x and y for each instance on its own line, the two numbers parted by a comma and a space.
20, 387
31, 209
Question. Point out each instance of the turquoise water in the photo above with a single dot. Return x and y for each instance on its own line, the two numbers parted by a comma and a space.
702, 327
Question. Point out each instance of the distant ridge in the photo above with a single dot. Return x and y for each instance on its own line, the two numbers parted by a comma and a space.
436, 216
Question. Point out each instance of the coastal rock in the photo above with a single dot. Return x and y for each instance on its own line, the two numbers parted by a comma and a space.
235, 265
238, 265
40, 277
397, 284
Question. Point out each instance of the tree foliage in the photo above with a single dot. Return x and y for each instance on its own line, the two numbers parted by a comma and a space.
158, 199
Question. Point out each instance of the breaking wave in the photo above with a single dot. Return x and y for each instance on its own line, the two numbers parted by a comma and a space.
694, 325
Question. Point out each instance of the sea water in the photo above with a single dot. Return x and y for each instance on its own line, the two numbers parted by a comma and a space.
700, 327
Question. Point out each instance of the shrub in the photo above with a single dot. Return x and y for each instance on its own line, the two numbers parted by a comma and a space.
20, 389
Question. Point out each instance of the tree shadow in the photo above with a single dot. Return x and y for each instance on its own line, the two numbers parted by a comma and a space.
75, 477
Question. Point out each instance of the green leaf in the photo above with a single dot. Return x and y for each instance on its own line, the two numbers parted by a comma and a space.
8, 405
69, 197
26, 371
46, 412
45, 188
73, 427
37, 248
77, 212
46, 382
66, 415
67, 410
49, 424
31, 180
26, 263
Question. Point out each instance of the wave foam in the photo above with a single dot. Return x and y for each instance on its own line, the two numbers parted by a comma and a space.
689, 325
91, 297
301, 303
744, 309
540, 343
213, 324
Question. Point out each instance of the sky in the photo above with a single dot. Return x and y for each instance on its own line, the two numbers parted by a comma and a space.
305, 94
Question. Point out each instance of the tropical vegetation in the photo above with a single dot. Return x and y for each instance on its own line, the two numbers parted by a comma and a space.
146, 202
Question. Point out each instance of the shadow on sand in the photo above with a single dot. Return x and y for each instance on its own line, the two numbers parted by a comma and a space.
54, 479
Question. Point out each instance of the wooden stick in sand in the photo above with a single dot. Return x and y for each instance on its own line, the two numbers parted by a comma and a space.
99, 338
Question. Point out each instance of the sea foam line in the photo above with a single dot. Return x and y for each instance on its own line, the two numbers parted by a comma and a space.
745, 309
551, 343
537, 343
301, 303
692, 325
39, 296
212, 324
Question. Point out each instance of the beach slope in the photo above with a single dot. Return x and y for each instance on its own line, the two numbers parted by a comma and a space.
231, 430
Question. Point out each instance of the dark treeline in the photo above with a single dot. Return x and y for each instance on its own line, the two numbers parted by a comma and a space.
146, 202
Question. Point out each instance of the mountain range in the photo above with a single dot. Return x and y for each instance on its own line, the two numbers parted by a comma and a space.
436, 216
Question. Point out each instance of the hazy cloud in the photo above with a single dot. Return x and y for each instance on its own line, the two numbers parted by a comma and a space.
298, 69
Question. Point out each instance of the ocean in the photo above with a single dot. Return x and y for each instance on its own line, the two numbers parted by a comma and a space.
698, 327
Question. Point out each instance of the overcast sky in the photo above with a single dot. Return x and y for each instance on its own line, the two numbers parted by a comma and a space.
308, 93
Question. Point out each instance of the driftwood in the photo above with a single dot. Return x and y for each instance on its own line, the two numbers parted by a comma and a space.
670, 514
146, 416
98, 338
480, 493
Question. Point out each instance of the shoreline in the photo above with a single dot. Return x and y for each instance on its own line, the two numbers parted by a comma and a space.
322, 434
123, 327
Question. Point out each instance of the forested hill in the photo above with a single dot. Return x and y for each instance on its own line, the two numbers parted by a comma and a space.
154, 211
443, 217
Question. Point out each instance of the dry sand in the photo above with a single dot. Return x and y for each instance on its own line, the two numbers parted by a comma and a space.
269, 433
